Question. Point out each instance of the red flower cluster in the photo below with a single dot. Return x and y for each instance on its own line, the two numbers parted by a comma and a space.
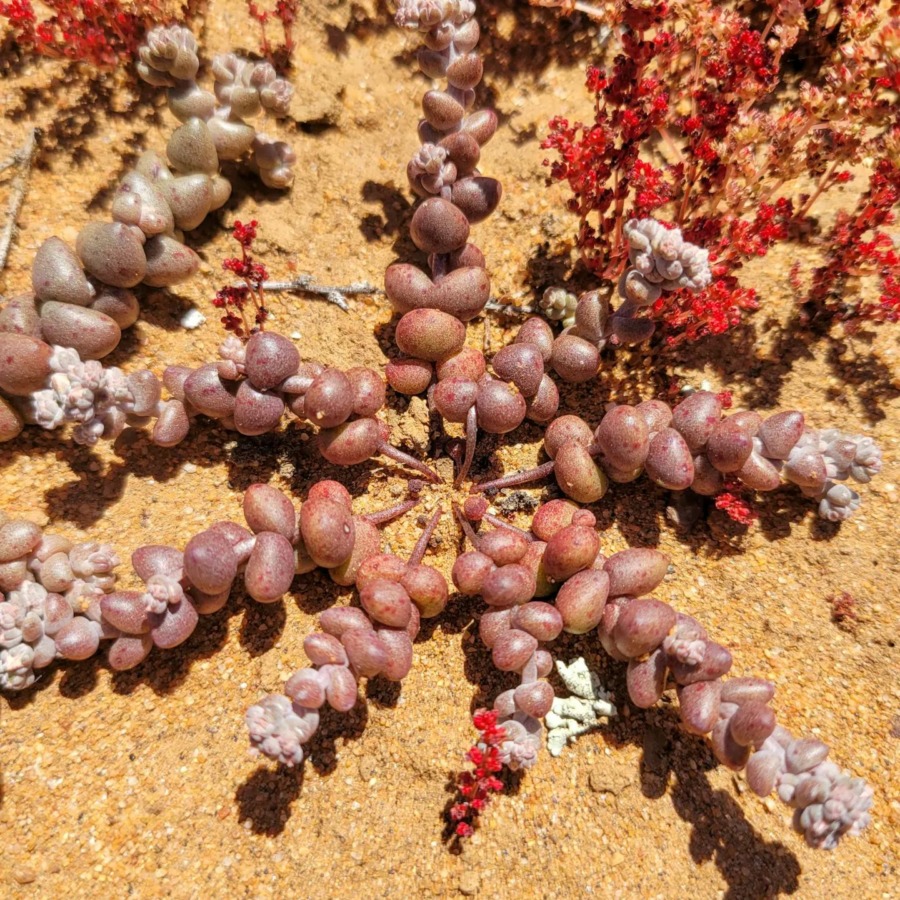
103, 33
851, 255
736, 507
714, 310
234, 298
285, 12
687, 128
476, 787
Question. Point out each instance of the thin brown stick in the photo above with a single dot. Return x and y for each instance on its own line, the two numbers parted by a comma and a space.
24, 159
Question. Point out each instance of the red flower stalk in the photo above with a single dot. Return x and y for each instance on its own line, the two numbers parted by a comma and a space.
285, 12
234, 298
477, 786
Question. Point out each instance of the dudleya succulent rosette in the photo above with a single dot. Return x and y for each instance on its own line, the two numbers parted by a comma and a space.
242, 88
663, 257
821, 460
97, 398
829, 803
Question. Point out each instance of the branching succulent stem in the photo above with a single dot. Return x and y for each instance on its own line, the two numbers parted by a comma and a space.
465, 525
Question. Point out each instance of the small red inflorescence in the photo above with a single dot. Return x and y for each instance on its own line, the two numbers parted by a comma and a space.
844, 610
285, 11
235, 298
477, 786
102, 33
736, 507
857, 249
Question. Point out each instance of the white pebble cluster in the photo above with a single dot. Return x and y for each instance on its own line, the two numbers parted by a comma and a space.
588, 707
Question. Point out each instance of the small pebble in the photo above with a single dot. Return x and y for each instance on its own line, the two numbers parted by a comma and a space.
192, 318
25, 875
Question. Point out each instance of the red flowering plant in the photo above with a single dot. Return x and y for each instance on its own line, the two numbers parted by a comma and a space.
476, 786
285, 12
693, 126
236, 299
102, 33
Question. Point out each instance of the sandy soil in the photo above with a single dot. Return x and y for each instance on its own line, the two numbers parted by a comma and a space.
140, 784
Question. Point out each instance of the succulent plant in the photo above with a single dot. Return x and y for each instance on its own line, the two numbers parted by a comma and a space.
695, 446
518, 574
83, 298
59, 598
354, 643
52, 590
248, 390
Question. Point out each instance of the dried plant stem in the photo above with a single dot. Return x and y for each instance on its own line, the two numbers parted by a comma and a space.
23, 158
336, 294
820, 187
510, 309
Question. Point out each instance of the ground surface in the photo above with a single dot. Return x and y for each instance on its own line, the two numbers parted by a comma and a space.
140, 784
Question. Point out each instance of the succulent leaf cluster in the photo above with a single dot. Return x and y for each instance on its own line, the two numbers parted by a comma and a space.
51, 590
59, 598
557, 579
695, 446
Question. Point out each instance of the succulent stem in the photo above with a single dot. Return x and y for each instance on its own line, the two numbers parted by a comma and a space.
383, 516
418, 553
399, 456
471, 438
527, 476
